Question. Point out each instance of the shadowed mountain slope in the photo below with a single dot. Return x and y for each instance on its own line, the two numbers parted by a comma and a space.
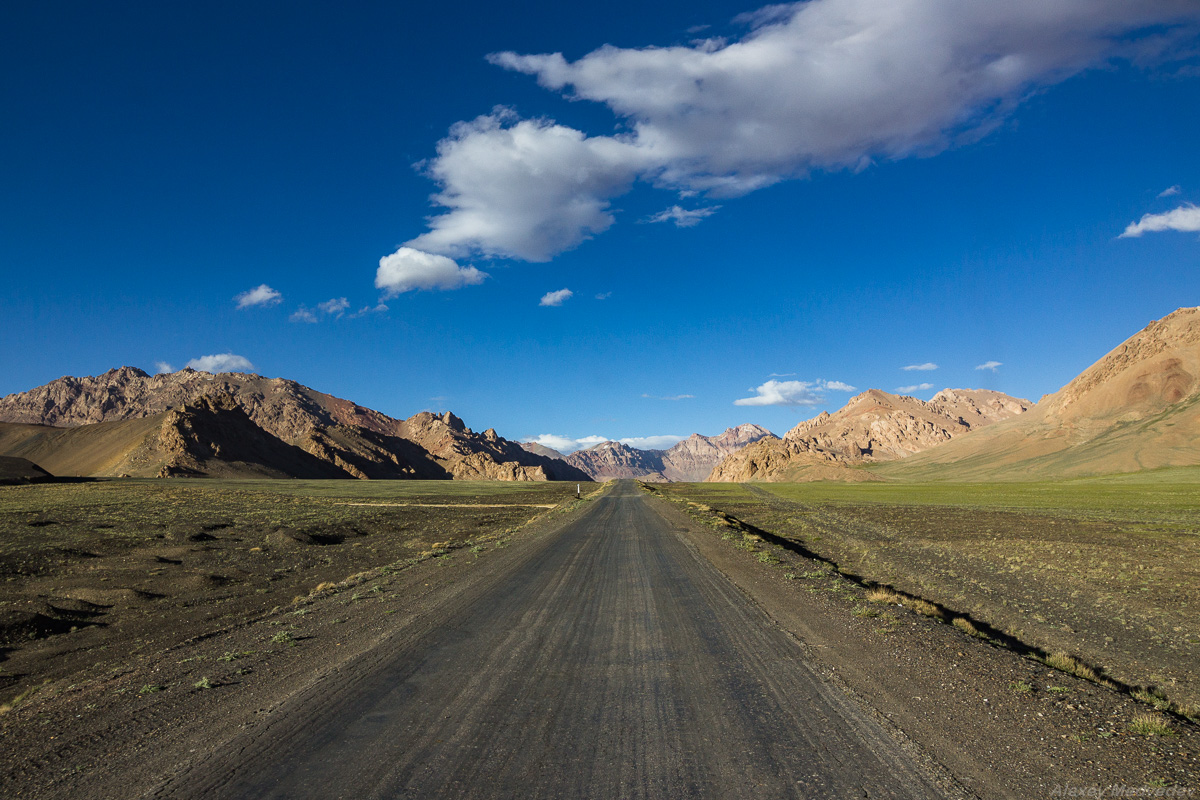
210, 437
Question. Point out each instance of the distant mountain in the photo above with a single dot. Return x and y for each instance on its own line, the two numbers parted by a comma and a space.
609, 460
542, 450
873, 426
356, 440
690, 460
1136, 408
694, 458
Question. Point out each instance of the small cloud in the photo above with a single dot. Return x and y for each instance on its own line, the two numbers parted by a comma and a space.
989, 365
162, 368
785, 393
1170, 191
409, 268
782, 375
661, 442
836, 386
603, 295
303, 314
1185, 219
919, 387
927, 366
378, 308
669, 397
262, 295
697, 29
683, 217
555, 298
335, 306
222, 362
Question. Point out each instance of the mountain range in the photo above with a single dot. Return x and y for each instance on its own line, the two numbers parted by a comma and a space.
689, 460
874, 426
1136, 408
127, 422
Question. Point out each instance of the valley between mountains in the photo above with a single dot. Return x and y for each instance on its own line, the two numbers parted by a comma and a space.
230, 586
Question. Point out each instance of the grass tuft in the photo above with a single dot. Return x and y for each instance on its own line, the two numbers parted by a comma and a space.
1065, 662
1151, 725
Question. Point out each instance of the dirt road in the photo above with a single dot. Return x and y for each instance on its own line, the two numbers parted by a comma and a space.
612, 662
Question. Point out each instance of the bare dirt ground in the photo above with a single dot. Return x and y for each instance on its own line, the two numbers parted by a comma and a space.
173, 682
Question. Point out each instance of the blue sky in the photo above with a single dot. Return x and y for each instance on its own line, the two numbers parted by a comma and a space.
773, 205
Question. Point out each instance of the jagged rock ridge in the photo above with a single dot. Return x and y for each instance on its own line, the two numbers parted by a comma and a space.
356, 440
873, 426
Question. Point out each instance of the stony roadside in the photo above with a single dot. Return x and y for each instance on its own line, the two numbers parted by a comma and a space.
1001, 724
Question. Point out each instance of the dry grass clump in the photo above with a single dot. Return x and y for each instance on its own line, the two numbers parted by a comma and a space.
1151, 725
965, 625
1064, 662
923, 607
881, 595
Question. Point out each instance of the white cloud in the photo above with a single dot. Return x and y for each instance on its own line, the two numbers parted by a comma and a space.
556, 298
1185, 218
1170, 191
792, 393
409, 268
378, 308
990, 365
928, 365
661, 442
603, 295
781, 375
336, 305
526, 189
683, 217
162, 367
222, 362
919, 387
818, 85
565, 444
262, 295
669, 397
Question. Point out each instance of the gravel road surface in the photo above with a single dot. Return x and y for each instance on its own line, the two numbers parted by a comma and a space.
613, 661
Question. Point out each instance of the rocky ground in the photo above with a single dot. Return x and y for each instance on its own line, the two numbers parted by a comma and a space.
109, 711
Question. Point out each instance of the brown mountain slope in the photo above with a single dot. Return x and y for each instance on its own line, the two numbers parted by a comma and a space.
211, 436
354, 438
874, 426
1136, 408
20, 470
542, 450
